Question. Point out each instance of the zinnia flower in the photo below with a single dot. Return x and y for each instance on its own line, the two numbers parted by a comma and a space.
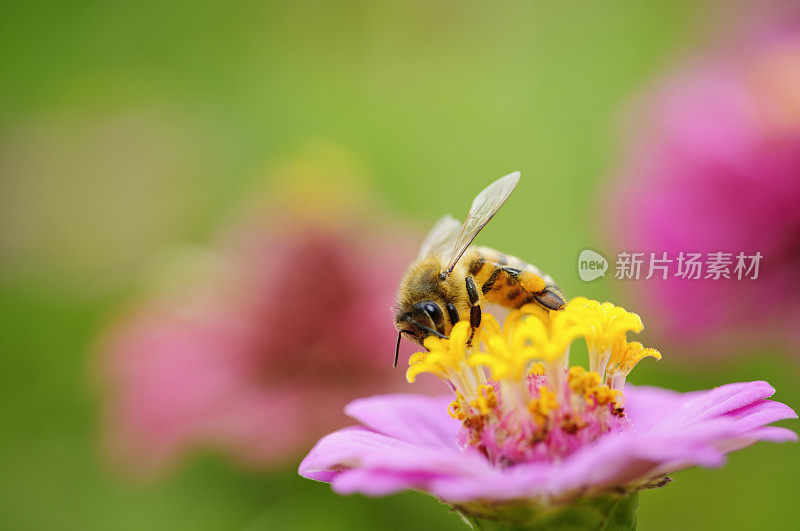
715, 168
526, 439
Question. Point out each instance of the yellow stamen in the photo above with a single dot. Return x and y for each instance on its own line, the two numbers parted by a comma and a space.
574, 375
534, 342
626, 355
444, 356
486, 400
457, 407
537, 369
417, 357
541, 407
602, 325
509, 356
602, 395
455, 410
529, 311
500, 359
624, 358
588, 384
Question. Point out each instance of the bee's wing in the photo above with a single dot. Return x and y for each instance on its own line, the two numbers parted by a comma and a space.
484, 207
440, 238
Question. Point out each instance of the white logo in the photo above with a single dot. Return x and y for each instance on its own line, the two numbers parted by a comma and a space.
591, 265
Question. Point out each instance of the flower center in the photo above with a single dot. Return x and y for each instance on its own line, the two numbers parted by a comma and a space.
517, 399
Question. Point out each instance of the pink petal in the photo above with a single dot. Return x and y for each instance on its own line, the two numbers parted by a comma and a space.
358, 447
646, 406
416, 447
761, 413
416, 419
719, 401
380, 482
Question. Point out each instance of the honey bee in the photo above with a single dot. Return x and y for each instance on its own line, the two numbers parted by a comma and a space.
450, 280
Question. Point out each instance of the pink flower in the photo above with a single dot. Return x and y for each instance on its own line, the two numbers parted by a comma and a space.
255, 356
536, 436
410, 442
715, 167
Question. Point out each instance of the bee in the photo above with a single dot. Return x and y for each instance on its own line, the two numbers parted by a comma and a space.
450, 280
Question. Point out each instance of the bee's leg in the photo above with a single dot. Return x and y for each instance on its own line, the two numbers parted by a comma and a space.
543, 288
475, 308
551, 298
527, 280
452, 313
513, 286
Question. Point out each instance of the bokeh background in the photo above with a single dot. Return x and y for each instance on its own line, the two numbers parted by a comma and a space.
127, 129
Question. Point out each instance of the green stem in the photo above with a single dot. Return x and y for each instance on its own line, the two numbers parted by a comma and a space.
604, 513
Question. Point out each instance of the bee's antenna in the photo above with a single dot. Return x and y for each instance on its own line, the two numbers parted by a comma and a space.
400, 335
431, 330
397, 349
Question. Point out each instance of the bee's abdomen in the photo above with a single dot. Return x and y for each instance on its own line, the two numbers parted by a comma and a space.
507, 280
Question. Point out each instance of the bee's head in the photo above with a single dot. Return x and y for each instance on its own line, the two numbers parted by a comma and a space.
427, 305
424, 318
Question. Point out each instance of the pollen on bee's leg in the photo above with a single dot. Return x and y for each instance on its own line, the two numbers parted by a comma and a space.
531, 282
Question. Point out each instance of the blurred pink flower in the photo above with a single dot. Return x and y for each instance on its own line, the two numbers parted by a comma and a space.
715, 167
288, 322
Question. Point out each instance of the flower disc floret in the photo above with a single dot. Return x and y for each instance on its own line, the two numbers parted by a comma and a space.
516, 397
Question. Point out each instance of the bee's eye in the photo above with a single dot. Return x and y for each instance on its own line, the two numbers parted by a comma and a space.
432, 309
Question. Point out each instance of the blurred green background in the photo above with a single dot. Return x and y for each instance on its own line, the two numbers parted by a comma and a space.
126, 126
